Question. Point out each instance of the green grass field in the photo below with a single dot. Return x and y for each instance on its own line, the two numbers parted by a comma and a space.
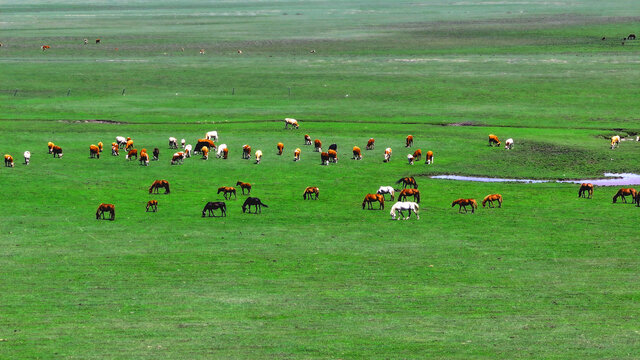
547, 276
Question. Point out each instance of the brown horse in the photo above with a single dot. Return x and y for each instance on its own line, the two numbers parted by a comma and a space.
246, 152
333, 156
409, 192
463, 203
129, 145
214, 206
110, 208
144, 158
493, 140
307, 139
153, 205
159, 184
132, 153
429, 158
625, 192
8, 160
227, 191
205, 152
318, 145
409, 141
94, 152
371, 144
56, 151
408, 181
491, 198
115, 151
100, 145
357, 154
177, 158
324, 157
417, 155
50, 145
243, 186
296, 155
280, 147
369, 199
586, 190
310, 191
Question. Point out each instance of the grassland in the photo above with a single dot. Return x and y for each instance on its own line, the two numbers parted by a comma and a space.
546, 276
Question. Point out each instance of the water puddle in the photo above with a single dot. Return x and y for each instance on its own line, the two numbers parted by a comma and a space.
611, 179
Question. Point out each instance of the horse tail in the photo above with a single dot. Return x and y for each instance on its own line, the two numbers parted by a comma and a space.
167, 187
262, 204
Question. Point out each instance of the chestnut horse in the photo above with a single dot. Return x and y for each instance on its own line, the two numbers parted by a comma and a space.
586, 190
417, 155
333, 156
493, 140
387, 155
8, 160
159, 184
214, 206
252, 201
110, 208
307, 139
369, 199
115, 151
100, 145
625, 192
296, 155
131, 154
318, 145
205, 152
408, 182
129, 145
491, 198
357, 154
153, 205
463, 203
246, 152
144, 158
409, 141
227, 191
429, 158
371, 144
57, 151
324, 157
409, 192
310, 191
243, 186
280, 147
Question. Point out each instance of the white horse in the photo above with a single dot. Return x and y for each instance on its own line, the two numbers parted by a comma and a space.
387, 190
220, 151
212, 135
258, 156
121, 141
508, 144
401, 206
173, 143
292, 122
387, 154
187, 150
27, 157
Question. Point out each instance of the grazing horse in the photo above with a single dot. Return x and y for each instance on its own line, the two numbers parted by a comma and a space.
27, 157
132, 153
387, 155
205, 152
404, 206
182, 143
371, 144
310, 191
153, 205
625, 192
144, 158
292, 122
491, 198
222, 150
246, 152
45, 47
408, 181
463, 203
159, 184
508, 144
252, 201
8, 160
307, 139
417, 155
187, 151
631, 37
227, 191
50, 145
333, 147
122, 141
409, 141
211, 135
258, 156
100, 145
156, 154
357, 154
204, 142
493, 140
243, 186
129, 145
173, 143
94, 152
615, 141
387, 190
410, 159
369, 199
280, 147
318, 145
177, 158
409, 192
57, 151
115, 151
429, 158
201, 51
333, 156
296, 155
324, 157
97, 41
214, 206
110, 208
586, 190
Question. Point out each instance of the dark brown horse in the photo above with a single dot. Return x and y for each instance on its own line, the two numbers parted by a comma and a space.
586, 190
159, 184
156, 154
227, 191
463, 203
243, 186
56, 151
408, 182
214, 206
311, 192
369, 199
153, 205
252, 201
409, 192
110, 208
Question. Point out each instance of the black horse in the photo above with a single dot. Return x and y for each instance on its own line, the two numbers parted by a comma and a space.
156, 154
246, 207
333, 147
214, 206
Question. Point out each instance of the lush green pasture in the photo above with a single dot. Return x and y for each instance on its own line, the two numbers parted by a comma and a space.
546, 276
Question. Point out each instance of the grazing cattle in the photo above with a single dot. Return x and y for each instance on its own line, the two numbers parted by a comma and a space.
387, 190
187, 151
252, 201
122, 141
204, 142
409, 141
57, 151
387, 155
493, 140
86, 41
177, 158
205, 152
156, 154
173, 143
369, 199
94, 152
144, 157
244, 186
239, 51
307, 139
201, 51
258, 156
357, 154
491, 198
463, 203
50, 145
625, 192
333, 156
110, 208
508, 144
159, 184
153, 205
408, 181
129, 145
115, 150
371, 144
631, 37
429, 158
100, 145
246, 152
8, 160
405, 206
280, 147
292, 122
410, 192
27, 157
615, 141
417, 155
97, 41
214, 205
318, 145
333, 147
183, 143
221, 151
296, 155
586, 190
227, 191
311, 192
410, 159
211, 135
45, 47
324, 157
131, 154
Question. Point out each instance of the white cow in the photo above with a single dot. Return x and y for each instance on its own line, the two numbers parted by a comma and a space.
27, 157
212, 135
220, 151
